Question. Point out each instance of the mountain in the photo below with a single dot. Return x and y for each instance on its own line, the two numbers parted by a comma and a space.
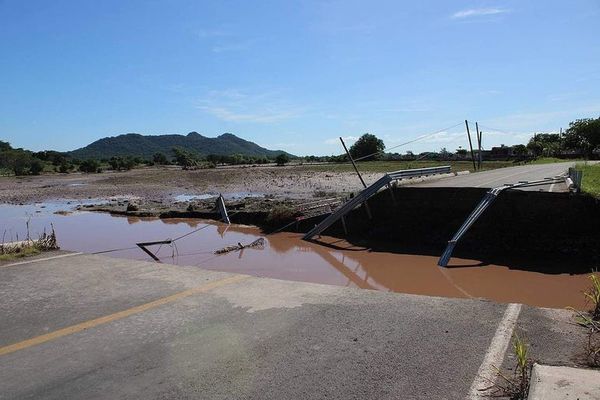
134, 144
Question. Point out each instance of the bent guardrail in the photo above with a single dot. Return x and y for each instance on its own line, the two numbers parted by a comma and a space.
370, 191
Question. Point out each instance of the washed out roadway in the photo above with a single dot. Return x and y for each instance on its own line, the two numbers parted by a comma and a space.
91, 327
498, 177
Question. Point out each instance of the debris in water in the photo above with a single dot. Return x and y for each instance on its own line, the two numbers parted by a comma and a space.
258, 243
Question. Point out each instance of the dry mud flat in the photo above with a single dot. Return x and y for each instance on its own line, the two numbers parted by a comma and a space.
164, 184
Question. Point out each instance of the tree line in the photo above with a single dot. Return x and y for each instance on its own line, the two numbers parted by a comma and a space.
18, 161
581, 139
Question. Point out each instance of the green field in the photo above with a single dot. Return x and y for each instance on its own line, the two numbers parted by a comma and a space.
551, 160
590, 182
389, 166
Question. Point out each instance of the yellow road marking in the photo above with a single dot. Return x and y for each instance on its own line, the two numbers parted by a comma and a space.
118, 315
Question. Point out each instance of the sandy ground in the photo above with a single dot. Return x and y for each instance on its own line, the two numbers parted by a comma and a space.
163, 184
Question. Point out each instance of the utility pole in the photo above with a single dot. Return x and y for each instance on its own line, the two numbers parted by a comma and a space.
359, 176
480, 157
353, 163
470, 145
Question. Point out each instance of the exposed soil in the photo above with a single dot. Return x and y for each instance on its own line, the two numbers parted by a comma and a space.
160, 185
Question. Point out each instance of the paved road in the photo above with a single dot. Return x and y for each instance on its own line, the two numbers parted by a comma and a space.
498, 177
92, 327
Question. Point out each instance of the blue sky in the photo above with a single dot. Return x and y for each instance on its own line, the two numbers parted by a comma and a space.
295, 75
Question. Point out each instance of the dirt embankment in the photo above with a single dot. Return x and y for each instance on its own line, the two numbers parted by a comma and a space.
550, 232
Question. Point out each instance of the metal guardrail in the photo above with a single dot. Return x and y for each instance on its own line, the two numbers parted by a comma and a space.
487, 201
411, 173
370, 191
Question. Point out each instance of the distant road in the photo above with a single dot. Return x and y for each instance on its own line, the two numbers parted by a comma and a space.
498, 177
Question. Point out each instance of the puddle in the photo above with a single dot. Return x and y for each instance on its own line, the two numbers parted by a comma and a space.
286, 256
77, 184
226, 196
191, 197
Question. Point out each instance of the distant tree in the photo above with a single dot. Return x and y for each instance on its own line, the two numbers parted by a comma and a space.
520, 150
185, 158
36, 166
55, 157
114, 163
64, 168
462, 153
89, 166
160, 159
130, 162
5, 146
584, 135
282, 159
545, 144
367, 145
16, 160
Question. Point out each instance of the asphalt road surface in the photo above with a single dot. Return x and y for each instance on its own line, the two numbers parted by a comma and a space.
91, 327
501, 176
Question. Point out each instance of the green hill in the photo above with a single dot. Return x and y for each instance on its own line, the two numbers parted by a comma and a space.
134, 144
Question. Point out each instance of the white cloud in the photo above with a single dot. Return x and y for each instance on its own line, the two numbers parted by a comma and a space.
227, 114
445, 137
476, 12
337, 139
234, 105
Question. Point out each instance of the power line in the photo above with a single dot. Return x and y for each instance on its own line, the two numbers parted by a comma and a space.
410, 141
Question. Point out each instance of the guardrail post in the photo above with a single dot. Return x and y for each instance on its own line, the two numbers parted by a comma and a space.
391, 189
223, 209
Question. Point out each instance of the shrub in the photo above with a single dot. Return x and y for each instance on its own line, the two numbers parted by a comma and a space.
89, 166
282, 159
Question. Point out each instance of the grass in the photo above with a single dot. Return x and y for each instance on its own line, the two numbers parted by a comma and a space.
517, 386
28, 247
389, 166
593, 295
591, 178
23, 252
591, 321
549, 160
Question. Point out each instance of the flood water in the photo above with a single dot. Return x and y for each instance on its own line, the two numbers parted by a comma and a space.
286, 256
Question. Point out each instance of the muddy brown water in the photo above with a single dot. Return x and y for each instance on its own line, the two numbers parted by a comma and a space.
286, 256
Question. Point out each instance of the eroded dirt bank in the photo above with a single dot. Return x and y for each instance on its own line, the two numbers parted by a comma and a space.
539, 231
549, 232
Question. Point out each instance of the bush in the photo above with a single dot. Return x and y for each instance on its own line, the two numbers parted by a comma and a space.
64, 168
89, 166
160, 159
120, 163
282, 159
185, 158
36, 167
